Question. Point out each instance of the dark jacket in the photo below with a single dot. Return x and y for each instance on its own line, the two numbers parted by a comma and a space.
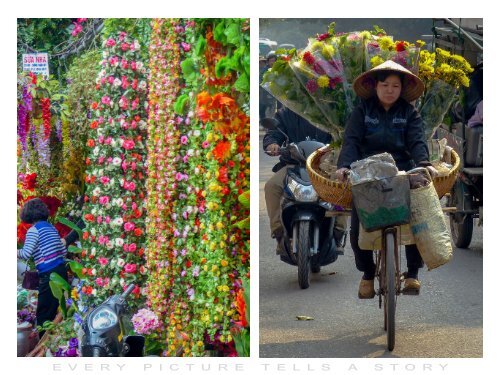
372, 130
296, 128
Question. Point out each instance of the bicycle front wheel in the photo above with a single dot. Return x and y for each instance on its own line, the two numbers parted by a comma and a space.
390, 290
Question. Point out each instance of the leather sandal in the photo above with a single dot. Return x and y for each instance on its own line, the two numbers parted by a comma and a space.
366, 289
411, 287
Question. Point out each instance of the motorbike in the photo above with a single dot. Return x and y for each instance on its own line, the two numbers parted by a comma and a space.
310, 239
104, 330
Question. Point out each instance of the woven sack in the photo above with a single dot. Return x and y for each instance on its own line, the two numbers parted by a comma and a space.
428, 227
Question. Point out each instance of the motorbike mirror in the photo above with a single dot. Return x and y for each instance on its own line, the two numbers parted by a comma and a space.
128, 291
269, 123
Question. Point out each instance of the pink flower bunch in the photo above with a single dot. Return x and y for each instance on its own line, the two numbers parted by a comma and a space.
145, 322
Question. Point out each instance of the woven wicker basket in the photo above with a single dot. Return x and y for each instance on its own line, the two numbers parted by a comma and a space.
339, 193
329, 190
444, 184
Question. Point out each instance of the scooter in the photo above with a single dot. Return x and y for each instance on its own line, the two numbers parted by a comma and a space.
310, 238
104, 332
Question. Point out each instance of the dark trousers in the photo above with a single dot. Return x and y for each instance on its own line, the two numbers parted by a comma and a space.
364, 258
47, 303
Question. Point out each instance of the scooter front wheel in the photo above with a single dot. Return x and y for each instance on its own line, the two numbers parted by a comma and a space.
303, 254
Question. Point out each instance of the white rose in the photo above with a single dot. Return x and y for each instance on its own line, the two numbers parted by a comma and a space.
117, 161
137, 45
96, 151
120, 262
94, 292
143, 85
142, 124
96, 192
113, 143
105, 54
118, 202
109, 245
119, 242
118, 221
122, 281
92, 251
190, 152
196, 171
117, 82
197, 133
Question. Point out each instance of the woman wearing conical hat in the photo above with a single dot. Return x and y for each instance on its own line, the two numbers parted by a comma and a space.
385, 121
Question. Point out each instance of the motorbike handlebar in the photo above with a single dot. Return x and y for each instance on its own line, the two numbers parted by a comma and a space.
129, 290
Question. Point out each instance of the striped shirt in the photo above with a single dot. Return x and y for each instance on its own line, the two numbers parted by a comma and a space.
44, 245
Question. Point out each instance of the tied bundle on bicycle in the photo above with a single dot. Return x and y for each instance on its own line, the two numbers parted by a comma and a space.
394, 208
317, 83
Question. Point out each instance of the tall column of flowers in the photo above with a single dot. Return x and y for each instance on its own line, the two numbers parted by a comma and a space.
114, 209
218, 107
163, 180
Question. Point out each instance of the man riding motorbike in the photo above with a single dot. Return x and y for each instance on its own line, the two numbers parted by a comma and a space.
297, 129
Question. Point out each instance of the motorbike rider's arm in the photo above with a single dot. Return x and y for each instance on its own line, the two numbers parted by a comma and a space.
351, 147
416, 144
274, 138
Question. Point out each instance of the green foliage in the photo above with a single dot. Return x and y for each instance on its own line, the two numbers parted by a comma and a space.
42, 35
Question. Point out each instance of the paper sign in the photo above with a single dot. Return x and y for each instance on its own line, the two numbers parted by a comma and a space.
38, 63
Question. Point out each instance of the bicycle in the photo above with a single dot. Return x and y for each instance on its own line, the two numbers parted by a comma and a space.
384, 204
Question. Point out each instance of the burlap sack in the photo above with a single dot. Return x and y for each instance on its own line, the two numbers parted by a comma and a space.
428, 227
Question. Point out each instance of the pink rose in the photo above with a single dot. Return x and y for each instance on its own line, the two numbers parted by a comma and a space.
99, 281
104, 199
104, 180
110, 42
132, 247
133, 65
205, 144
128, 144
128, 226
125, 82
184, 140
124, 64
129, 186
125, 47
130, 268
106, 100
111, 79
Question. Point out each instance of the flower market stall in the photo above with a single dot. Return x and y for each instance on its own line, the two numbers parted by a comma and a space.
143, 141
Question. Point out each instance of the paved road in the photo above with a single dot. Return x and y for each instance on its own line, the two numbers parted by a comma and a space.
445, 321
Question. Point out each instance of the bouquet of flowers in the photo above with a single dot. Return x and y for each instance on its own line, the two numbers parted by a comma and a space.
442, 73
320, 70
284, 85
383, 48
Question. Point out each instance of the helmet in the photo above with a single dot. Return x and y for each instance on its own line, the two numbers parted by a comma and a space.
271, 55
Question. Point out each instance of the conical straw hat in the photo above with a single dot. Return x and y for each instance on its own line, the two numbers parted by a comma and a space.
364, 85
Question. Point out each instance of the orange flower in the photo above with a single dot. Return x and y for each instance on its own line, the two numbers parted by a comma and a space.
222, 151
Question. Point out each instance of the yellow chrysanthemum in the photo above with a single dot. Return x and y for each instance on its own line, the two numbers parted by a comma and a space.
323, 81
386, 43
328, 51
317, 46
376, 60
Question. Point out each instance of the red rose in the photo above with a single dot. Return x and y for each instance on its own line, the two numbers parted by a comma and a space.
130, 268
400, 46
308, 58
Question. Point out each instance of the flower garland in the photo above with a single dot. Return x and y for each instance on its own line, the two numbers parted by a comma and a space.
113, 240
197, 256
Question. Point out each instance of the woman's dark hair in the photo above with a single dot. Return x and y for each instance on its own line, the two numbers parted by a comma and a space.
382, 75
34, 210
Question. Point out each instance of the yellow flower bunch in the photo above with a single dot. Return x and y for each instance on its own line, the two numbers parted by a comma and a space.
453, 69
376, 60
386, 43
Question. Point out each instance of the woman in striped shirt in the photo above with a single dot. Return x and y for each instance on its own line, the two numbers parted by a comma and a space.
44, 245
